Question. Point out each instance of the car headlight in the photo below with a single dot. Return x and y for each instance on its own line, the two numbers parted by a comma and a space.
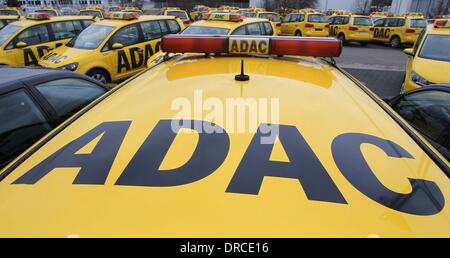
418, 79
70, 67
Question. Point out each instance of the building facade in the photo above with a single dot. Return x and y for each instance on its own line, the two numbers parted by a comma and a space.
428, 7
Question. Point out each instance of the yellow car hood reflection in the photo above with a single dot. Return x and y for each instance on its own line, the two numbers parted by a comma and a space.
319, 106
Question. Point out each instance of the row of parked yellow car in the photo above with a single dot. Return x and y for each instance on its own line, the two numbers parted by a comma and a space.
116, 48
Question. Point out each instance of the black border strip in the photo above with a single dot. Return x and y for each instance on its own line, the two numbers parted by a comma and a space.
441, 164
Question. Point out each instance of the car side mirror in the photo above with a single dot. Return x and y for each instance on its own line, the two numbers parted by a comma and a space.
116, 46
409, 51
21, 44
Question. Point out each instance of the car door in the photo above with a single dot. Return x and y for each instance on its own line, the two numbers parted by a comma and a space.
126, 61
294, 24
35, 42
428, 111
22, 123
378, 31
285, 25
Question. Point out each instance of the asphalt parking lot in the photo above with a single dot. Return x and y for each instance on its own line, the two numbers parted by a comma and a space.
380, 67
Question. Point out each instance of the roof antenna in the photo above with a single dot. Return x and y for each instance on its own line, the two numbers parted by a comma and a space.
242, 77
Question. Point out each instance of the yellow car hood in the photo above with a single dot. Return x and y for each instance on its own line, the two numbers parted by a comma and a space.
434, 71
310, 181
62, 56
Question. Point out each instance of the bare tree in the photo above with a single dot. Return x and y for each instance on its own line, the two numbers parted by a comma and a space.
362, 6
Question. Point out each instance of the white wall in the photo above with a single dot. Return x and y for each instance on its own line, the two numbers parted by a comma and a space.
335, 4
400, 6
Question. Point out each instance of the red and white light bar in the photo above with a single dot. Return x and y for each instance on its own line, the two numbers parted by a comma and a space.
296, 46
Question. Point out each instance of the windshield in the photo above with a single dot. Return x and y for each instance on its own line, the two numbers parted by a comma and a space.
418, 23
199, 30
362, 21
7, 32
91, 13
317, 18
275, 17
436, 47
8, 12
49, 12
91, 37
180, 14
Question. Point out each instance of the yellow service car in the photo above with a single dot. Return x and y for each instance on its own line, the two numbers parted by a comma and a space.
305, 23
92, 11
114, 49
197, 10
165, 155
22, 43
230, 24
7, 11
7, 19
48, 10
429, 59
349, 27
398, 30
273, 17
177, 12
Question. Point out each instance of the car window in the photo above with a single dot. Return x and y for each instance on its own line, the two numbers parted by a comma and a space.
91, 37
165, 30
86, 23
8, 12
240, 31
318, 18
287, 18
379, 23
68, 96
250, 15
64, 30
268, 28
254, 29
174, 27
34, 35
418, 23
362, 21
7, 32
151, 30
181, 14
126, 36
200, 30
22, 123
418, 41
275, 17
436, 47
429, 112
295, 18
91, 13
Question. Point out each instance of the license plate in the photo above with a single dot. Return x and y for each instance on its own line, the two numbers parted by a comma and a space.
363, 33
319, 29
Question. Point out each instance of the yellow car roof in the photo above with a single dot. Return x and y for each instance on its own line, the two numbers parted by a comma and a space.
313, 182
438, 31
28, 22
118, 22
226, 24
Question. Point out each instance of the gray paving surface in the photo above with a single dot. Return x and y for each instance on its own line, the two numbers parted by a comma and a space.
380, 67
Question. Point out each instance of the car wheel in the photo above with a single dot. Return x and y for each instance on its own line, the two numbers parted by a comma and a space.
99, 75
298, 33
395, 42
